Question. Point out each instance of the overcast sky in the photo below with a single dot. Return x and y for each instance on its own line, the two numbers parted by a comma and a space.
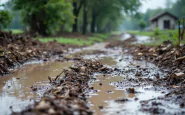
152, 4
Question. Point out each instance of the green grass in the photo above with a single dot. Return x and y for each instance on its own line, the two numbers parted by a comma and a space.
15, 31
163, 35
77, 41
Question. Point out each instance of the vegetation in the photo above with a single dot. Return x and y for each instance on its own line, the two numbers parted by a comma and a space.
77, 41
5, 18
162, 36
142, 24
15, 31
50, 16
45, 17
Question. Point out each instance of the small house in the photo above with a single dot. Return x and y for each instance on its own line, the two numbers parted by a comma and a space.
163, 21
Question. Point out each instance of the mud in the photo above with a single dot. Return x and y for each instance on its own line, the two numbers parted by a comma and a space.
15, 50
115, 77
27, 84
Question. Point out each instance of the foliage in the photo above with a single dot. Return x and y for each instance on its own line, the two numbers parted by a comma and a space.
45, 16
142, 24
5, 18
77, 41
163, 35
156, 31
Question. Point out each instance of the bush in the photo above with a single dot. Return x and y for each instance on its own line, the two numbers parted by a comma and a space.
156, 31
5, 18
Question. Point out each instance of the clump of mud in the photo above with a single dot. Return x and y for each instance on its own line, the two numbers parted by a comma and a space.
67, 96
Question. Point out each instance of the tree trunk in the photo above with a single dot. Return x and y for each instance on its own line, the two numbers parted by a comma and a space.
93, 22
75, 25
85, 17
76, 10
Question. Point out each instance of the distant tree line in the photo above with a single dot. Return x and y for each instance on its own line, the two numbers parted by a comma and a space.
48, 17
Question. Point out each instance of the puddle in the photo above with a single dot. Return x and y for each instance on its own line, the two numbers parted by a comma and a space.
15, 89
113, 89
106, 92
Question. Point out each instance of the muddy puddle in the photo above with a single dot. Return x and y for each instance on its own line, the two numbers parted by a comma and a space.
112, 96
27, 84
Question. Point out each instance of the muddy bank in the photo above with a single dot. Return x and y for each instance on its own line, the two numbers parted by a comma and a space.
17, 49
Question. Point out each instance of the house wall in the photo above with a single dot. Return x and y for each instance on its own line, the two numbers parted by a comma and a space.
161, 20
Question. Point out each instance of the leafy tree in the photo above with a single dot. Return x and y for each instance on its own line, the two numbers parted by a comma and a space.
142, 24
5, 18
45, 16
77, 5
106, 20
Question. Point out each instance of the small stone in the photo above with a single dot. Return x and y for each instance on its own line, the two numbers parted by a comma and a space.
51, 111
100, 84
130, 90
43, 105
179, 75
140, 54
83, 69
100, 107
182, 105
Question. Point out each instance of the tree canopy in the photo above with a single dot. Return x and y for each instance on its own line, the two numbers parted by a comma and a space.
47, 17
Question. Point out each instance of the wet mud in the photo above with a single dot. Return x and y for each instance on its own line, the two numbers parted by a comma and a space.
114, 77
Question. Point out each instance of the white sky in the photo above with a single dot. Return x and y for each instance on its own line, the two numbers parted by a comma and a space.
152, 4
3, 1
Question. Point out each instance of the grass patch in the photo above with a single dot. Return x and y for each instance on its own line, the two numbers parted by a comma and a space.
77, 41
163, 35
15, 31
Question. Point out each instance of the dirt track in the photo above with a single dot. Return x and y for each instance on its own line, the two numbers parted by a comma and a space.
122, 76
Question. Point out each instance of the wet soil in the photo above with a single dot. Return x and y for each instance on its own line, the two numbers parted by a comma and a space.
115, 77
27, 84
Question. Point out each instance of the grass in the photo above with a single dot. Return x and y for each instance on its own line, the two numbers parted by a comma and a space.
77, 41
15, 31
163, 35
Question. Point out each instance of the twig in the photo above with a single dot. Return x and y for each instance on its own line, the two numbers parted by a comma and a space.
180, 59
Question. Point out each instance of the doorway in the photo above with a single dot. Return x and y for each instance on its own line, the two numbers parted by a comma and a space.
166, 24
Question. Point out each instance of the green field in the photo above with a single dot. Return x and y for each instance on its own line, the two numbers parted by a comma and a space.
162, 36
77, 41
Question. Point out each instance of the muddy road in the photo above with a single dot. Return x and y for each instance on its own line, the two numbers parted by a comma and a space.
110, 81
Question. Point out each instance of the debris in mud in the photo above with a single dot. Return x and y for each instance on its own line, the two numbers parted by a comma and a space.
167, 57
67, 97
17, 49
121, 100
130, 90
100, 107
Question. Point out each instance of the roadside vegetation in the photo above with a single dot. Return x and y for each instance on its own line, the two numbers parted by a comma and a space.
77, 41
159, 36
15, 31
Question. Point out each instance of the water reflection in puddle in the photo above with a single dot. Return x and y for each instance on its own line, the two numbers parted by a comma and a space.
106, 92
15, 89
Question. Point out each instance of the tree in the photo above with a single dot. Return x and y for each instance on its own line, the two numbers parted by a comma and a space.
5, 17
85, 17
106, 20
77, 5
142, 24
45, 16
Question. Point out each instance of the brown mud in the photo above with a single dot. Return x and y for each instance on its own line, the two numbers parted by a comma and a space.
115, 77
15, 50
